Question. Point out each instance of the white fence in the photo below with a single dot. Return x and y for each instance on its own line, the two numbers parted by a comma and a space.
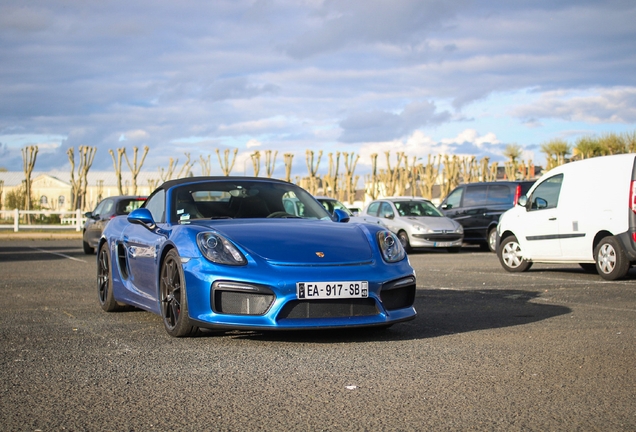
69, 220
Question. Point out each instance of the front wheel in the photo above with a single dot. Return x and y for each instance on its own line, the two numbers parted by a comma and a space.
510, 255
611, 261
105, 281
492, 240
404, 240
174, 302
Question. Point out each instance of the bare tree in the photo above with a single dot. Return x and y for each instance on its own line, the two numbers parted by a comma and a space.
371, 182
226, 164
313, 170
270, 163
29, 155
206, 166
87, 155
166, 175
186, 168
79, 184
117, 165
256, 162
134, 168
289, 157
75, 183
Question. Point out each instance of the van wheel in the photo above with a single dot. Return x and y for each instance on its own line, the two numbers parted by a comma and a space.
510, 255
611, 261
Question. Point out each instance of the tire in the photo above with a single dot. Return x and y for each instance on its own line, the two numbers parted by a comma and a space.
404, 239
510, 255
88, 250
491, 239
611, 260
105, 281
588, 267
173, 299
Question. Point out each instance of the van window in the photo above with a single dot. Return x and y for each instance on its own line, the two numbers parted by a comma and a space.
475, 195
455, 198
546, 195
499, 195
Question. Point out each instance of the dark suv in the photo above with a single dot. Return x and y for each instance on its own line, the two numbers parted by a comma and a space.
477, 206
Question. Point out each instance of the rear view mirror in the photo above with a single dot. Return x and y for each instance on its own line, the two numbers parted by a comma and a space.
341, 215
142, 216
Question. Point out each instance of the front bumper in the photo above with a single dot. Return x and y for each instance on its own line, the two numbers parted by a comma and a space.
391, 295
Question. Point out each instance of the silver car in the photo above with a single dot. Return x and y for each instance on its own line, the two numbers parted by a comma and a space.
417, 223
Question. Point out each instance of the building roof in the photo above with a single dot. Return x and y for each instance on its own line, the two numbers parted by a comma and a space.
15, 178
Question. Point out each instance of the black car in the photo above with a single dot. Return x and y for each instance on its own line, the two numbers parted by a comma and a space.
477, 206
105, 210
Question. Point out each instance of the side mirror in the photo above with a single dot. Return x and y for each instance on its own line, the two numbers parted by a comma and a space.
446, 206
142, 216
523, 200
389, 215
340, 215
88, 215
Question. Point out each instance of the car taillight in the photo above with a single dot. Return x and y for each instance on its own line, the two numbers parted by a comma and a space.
518, 195
632, 196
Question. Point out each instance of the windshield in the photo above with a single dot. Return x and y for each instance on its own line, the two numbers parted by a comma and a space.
417, 208
243, 199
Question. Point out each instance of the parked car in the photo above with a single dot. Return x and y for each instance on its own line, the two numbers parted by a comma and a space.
417, 223
224, 252
478, 206
582, 212
105, 210
331, 204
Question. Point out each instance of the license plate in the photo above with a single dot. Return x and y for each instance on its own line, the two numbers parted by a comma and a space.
442, 244
331, 290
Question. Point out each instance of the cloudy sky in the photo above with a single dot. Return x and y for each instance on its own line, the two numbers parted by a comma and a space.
359, 76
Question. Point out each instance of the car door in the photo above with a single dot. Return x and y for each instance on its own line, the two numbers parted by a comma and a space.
98, 220
371, 213
540, 225
142, 250
473, 214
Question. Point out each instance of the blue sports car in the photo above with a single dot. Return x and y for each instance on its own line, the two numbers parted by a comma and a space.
251, 253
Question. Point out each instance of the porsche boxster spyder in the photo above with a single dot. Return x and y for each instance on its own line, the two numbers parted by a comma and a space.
251, 253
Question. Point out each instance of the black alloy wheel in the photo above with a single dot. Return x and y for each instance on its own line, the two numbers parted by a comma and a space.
174, 304
105, 282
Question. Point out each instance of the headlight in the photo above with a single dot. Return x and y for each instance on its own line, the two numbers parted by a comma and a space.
219, 250
390, 246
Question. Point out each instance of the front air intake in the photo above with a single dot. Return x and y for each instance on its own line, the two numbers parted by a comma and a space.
398, 294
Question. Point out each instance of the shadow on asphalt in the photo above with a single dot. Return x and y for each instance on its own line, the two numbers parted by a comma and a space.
440, 312
37, 253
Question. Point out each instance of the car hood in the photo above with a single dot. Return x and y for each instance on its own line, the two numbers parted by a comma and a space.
433, 223
292, 241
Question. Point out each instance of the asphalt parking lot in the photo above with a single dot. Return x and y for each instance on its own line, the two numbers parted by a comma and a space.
550, 349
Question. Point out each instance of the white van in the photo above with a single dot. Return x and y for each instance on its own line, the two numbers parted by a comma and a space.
582, 212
